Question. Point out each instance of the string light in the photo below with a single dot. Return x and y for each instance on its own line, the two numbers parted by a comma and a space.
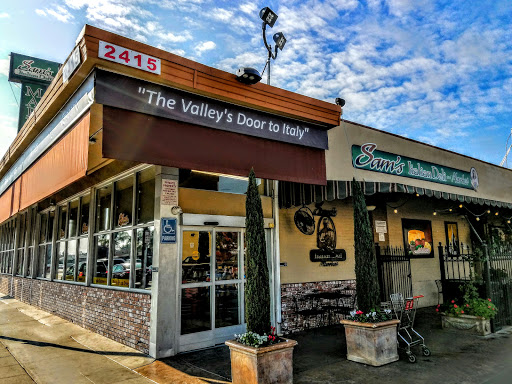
488, 211
396, 210
450, 210
477, 219
496, 213
435, 213
460, 206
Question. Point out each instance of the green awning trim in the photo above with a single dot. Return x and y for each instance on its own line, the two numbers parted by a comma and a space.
297, 194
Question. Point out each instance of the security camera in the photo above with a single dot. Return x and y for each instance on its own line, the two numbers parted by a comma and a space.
340, 101
247, 75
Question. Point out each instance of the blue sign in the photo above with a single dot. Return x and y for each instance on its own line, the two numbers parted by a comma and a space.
167, 230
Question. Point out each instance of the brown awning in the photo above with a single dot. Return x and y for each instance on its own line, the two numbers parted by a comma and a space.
138, 137
5, 204
64, 163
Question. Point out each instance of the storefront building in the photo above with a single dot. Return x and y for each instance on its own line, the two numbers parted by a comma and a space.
122, 199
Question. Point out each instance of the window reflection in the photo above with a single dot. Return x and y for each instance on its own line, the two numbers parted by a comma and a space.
226, 255
195, 310
196, 256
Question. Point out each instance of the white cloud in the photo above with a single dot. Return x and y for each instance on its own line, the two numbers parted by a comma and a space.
4, 15
8, 129
205, 46
4, 67
221, 14
174, 38
59, 13
249, 8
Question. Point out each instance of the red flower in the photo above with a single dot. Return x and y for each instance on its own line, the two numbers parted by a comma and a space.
437, 309
461, 311
488, 306
489, 299
438, 305
455, 306
467, 305
359, 312
453, 301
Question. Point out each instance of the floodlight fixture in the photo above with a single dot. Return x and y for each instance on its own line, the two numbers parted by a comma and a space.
280, 40
268, 16
340, 101
248, 75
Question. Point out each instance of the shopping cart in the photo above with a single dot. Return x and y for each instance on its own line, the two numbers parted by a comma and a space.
405, 311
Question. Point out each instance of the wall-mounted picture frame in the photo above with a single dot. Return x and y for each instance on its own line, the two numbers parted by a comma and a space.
452, 238
418, 242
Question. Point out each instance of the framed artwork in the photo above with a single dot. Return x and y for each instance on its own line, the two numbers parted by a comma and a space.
452, 238
418, 241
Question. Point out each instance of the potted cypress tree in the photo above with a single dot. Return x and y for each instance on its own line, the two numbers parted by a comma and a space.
259, 355
371, 334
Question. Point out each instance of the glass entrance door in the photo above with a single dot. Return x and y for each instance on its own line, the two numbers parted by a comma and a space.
212, 286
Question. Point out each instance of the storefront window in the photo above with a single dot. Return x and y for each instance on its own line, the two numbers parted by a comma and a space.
7, 231
215, 182
103, 197
121, 261
45, 244
146, 196
83, 247
123, 202
84, 215
144, 261
61, 252
130, 266
101, 251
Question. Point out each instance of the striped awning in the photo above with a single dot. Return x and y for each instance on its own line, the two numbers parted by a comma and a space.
297, 194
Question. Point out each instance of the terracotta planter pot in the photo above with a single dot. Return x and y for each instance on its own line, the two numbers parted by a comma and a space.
272, 364
468, 324
371, 343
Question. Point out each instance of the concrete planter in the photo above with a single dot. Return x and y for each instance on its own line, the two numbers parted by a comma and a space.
371, 343
467, 324
265, 365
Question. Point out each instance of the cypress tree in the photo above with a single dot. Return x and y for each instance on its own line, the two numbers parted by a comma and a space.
367, 280
257, 287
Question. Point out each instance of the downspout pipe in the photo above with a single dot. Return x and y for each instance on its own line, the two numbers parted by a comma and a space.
277, 258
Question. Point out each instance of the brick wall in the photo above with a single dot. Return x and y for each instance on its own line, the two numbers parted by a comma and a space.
293, 299
119, 315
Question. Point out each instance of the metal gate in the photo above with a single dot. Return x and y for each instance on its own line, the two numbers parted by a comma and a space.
490, 271
394, 268
500, 276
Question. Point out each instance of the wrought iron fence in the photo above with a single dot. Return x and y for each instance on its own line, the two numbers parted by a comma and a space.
394, 268
500, 274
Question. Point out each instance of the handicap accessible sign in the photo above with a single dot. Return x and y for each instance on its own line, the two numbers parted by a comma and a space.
168, 231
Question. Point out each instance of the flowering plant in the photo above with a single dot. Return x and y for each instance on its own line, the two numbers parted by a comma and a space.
252, 339
373, 316
471, 304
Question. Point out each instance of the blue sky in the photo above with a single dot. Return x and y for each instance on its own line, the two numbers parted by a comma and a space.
436, 71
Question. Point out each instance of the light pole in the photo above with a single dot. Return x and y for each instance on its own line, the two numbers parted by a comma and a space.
269, 18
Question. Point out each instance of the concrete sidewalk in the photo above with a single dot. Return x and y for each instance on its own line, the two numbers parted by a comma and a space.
36, 346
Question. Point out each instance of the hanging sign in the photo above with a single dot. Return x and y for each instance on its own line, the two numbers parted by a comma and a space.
31, 69
167, 230
71, 65
142, 96
367, 157
30, 95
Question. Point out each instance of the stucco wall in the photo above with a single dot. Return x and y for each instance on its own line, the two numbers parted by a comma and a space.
295, 246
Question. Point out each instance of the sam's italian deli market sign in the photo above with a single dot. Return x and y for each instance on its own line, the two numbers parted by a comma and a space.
368, 157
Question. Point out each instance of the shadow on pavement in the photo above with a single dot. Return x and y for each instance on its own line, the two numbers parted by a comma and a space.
320, 357
45, 344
